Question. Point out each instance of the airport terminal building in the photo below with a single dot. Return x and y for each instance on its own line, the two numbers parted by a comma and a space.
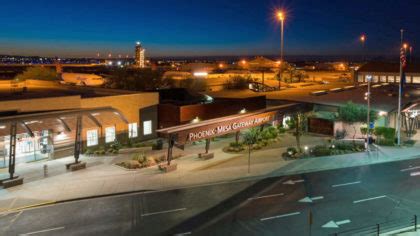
47, 119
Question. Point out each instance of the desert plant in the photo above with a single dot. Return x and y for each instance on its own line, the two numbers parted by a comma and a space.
321, 150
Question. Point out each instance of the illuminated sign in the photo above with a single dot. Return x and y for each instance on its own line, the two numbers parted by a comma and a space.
227, 127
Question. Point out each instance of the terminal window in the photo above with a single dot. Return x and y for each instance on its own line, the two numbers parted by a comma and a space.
147, 127
110, 134
92, 137
132, 130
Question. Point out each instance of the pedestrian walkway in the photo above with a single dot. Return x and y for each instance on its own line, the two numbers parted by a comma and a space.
102, 177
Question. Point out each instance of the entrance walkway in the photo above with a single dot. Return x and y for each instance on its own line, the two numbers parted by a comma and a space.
102, 177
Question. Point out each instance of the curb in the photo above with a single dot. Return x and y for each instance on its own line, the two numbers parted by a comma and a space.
48, 203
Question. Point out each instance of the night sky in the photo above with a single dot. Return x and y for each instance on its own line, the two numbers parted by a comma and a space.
205, 27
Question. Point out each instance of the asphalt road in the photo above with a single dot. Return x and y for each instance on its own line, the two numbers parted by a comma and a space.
345, 198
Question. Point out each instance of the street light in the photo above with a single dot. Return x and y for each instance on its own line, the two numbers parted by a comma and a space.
368, 95
281, 17
363, 41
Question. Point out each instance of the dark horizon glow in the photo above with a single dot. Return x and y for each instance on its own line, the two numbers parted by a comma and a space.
205, 28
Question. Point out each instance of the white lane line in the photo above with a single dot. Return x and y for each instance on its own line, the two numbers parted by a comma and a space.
369, 199
346, 184
411, 168
266, 196
163, 212
414, 173
293, 182
280, 216
43, 231
186, 233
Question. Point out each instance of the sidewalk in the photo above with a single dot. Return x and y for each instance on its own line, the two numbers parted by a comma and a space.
102, 177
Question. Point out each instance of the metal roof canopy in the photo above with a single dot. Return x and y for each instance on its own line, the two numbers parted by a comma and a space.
25, 120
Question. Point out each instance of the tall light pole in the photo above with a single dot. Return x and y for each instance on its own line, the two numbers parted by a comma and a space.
281, 18
368, 95
402, 64
363, 41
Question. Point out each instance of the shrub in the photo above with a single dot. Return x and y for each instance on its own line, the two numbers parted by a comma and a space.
409, 142
321, 150
269, 133
140, 157
235, 145
132, 164
116, 145
386, 142
150, 161
281, 129
161, 158
385, 132
291, 150
340, 134
363, 130
158, 145
343, 146
89, 151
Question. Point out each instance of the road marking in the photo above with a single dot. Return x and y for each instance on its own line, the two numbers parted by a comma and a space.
411, 168
266, 196
369, 199
43, 231
292, 182
280, 216
16, 216
335, 224
163, 212
414, 173
311, 199
346, 184
186, 233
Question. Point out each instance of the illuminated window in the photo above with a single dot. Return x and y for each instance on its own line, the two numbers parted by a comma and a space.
360, 79
110, 134
132, 130
147, 127
92, 137
383, 79
416, 80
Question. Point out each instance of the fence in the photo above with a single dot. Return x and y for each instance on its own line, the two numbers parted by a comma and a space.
403, 224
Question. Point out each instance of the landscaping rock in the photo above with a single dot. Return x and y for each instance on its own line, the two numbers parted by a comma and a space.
168, 168
206, 156
132, 164
150, 161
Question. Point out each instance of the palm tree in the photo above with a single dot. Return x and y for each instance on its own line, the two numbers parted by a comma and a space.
250, 138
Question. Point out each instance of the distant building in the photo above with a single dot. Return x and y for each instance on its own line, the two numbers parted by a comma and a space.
387, 73
140, 56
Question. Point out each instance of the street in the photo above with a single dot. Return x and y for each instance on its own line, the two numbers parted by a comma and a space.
339, 200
